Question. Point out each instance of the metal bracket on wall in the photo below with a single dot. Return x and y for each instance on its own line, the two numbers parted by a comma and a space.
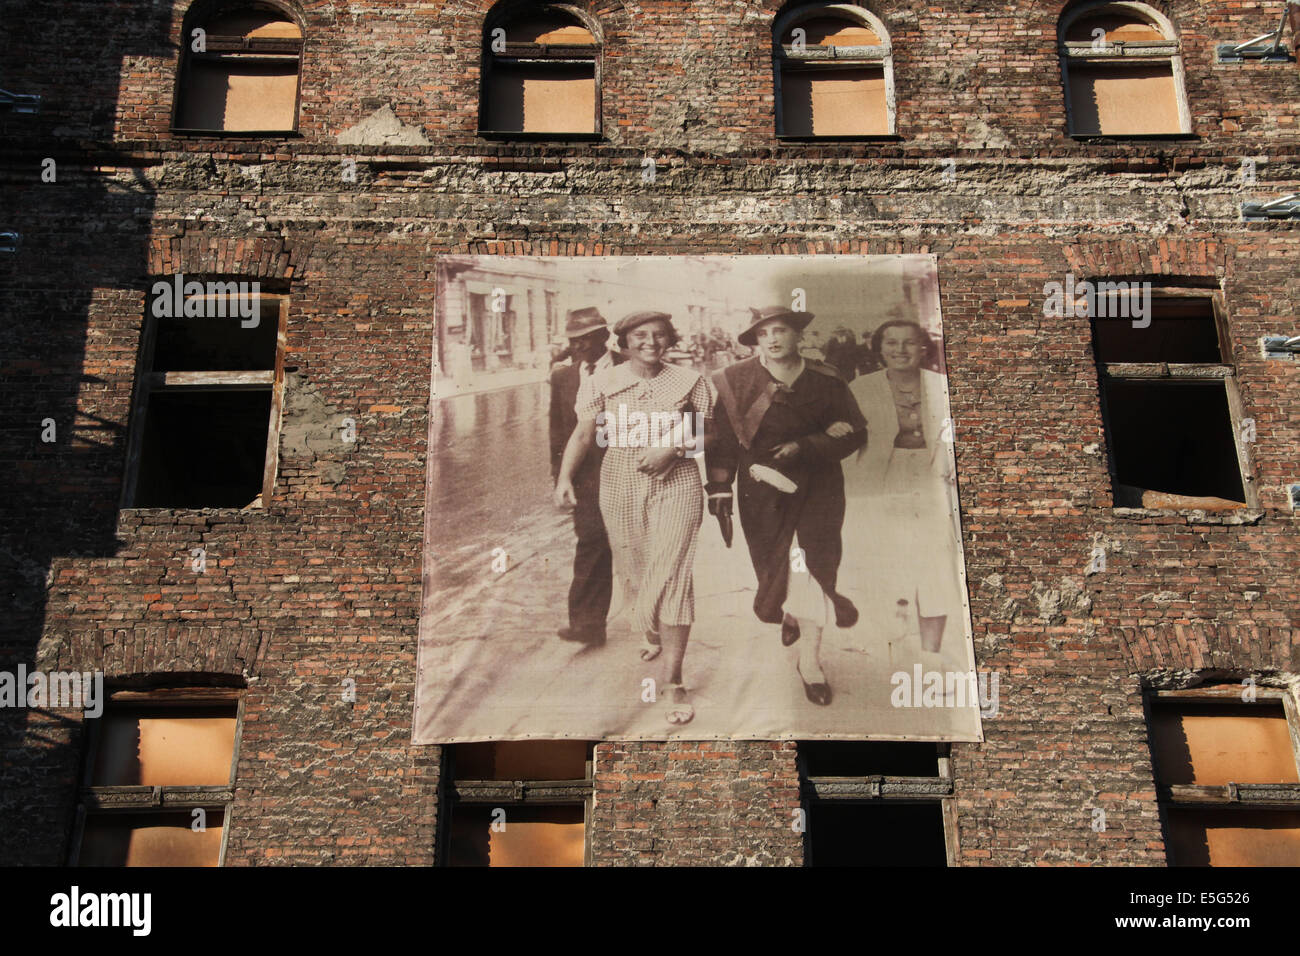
1288, 207
20, 102
1255, 49
1280, 347
9, 241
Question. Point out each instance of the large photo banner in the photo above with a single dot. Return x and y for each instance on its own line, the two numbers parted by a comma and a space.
692, 497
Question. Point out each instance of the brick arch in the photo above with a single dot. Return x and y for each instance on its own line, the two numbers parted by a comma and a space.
260, 258
1211, 645
173, 648
620, 13
1153, 257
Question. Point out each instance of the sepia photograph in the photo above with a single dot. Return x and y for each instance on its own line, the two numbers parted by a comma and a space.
700, 497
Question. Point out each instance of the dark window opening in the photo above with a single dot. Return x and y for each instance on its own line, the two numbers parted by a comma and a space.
203, 449
523, 760
1182, 331
889, 834
217, 343
1172, 438
863, 758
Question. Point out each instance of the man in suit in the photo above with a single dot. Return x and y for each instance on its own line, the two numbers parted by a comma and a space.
589, 594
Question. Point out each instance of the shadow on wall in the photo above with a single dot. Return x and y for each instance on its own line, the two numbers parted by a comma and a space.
82, 252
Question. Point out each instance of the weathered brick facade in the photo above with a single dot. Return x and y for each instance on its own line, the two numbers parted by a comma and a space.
324, 583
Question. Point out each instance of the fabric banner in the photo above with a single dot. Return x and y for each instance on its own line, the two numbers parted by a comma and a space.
737, 518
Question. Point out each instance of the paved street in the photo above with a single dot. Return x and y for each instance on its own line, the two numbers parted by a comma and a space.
491, 664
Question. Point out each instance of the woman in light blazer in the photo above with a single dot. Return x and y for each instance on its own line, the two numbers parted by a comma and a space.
900, 490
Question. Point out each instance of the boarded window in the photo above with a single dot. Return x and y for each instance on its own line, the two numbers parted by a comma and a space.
543, 98
517, 836
834, 76
1213, 744
1233, 838
545, 79
1181, 330
163, 748
1115, 27
1203, 750
835, 102
1121, 75
1124, 99
159, 779
152, 839
245, 77
523, 760
832, 31
539, 819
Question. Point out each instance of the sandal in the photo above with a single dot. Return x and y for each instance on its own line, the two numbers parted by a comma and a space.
679, 710
650, 649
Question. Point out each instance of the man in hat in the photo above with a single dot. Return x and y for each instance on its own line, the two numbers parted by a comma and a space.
770, 436
589, 594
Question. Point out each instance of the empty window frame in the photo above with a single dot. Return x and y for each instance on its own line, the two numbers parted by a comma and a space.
1122, 72
241, 73
206, 422
159, 779
877, 804
541, 74
834, 73
1226, 762
516, 803
1170, 404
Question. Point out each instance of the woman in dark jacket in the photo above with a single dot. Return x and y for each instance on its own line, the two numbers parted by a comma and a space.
769, 435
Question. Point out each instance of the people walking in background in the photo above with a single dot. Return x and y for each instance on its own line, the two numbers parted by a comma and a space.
589, 594
769, 436
651, 498
842, 353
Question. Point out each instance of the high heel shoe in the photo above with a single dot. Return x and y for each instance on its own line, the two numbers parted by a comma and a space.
819, 693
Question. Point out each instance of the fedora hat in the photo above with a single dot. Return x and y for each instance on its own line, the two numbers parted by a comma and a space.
580, 322
796, 320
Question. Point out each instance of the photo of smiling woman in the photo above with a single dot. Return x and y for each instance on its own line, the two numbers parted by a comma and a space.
651, 498
901, 487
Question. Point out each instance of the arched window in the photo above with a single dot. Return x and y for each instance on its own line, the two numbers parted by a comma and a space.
1122, 70
834, 73
240, 69
541, 73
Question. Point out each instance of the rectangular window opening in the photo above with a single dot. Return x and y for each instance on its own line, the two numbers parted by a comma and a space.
1124, 99
1227, 775
839, 101
542, 98
1171, 440
1182, 330
517, 803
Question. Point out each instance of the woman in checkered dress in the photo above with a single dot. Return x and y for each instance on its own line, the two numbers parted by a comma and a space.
651, 494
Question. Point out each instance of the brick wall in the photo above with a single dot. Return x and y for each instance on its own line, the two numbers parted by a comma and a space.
324, 584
